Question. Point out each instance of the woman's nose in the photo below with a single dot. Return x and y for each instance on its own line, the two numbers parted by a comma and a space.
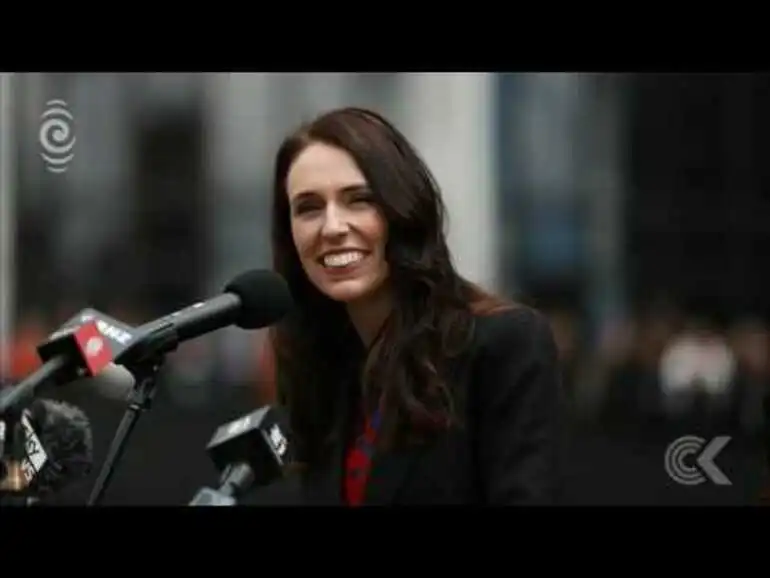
335, 222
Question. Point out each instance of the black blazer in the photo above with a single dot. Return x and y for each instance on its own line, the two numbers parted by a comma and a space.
507, 454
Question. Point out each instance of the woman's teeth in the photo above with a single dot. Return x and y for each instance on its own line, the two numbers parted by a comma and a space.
343, 259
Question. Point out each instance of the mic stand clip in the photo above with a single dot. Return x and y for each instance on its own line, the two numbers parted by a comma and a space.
144, 360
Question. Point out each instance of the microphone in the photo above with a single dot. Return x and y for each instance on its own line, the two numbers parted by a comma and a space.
252, 300
117, 334
210, 497
68, 354
249, 451
114, 382
56, 449
83, 347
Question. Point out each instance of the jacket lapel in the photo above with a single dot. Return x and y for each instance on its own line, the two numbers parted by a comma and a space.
388, 473
324, 487
389, 470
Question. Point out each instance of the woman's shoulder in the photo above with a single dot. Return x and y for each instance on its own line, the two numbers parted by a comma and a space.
516, 405
514, 328
511, 348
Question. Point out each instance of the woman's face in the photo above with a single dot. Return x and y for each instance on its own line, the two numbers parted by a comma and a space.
338, 231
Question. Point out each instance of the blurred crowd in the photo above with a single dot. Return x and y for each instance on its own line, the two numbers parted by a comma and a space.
663, 366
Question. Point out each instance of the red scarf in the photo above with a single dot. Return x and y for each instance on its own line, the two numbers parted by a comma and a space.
358, 462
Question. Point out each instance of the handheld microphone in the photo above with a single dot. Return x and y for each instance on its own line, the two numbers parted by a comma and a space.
82, 348
114, 382
68, 354
117, 334
57, 448
252, 300
249, 451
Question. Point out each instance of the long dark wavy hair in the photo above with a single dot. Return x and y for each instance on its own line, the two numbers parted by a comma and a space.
319, 359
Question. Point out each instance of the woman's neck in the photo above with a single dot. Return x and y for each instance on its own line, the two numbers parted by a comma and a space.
368, 314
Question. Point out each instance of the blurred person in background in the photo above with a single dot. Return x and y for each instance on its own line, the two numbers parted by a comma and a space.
697, 378
404, 382
749, 340
630, 356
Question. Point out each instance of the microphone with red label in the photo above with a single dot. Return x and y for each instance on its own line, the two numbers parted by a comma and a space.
113, 381
45, 444
68, 355
92, 342
80, 354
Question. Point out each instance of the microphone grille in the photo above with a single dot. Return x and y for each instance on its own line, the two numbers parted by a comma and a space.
66, 436
265, 298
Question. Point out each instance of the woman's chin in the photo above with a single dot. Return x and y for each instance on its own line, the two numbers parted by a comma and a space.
359, 288
348, 291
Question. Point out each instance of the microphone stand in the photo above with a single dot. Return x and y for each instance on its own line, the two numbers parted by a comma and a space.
144, 360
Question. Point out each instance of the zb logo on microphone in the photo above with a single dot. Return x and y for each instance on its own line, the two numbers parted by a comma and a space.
690, 461
278, 440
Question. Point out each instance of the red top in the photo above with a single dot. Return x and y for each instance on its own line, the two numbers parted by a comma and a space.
358, 463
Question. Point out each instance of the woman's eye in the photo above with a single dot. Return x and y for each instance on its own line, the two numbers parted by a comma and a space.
305, 207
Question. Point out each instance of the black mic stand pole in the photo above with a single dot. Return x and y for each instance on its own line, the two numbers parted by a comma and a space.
144, 360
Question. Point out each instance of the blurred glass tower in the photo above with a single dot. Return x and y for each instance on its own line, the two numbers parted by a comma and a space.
561, 189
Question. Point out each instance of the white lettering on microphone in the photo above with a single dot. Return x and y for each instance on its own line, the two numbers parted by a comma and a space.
35, 457
112, 332
278, 440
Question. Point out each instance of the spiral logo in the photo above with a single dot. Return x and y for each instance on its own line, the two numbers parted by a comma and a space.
57, 136
676, 466
689, 460
94, 346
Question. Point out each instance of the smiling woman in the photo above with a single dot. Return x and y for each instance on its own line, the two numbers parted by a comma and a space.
404, 382
340, 233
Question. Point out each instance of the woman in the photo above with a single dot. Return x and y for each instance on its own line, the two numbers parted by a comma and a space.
404, 383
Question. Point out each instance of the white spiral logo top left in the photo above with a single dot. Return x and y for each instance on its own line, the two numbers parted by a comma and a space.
57, 136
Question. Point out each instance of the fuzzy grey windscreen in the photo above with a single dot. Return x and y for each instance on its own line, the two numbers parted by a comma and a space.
65, 434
